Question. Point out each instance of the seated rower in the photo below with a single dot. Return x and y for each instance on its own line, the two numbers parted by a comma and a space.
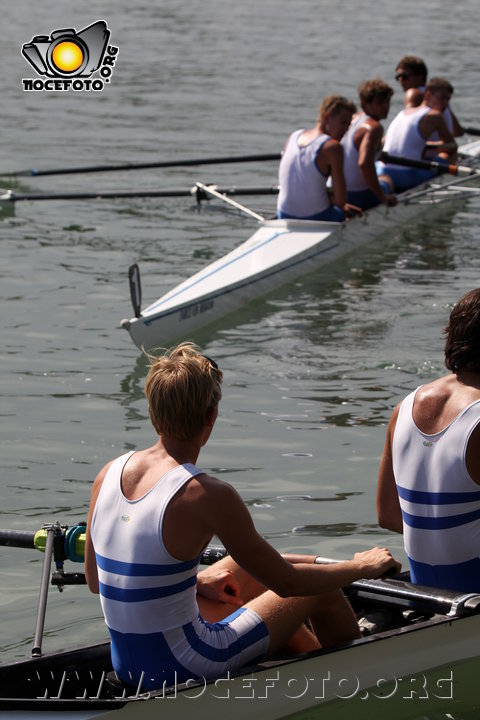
409, 134
152, 513
310, 158
439, 100
361, 144
429, 475
411, 72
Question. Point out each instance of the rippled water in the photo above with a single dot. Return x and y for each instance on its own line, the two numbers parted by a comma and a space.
312, 373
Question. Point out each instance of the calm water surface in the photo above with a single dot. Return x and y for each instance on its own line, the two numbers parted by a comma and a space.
311, 374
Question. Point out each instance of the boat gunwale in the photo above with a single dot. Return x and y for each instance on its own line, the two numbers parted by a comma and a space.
42, 704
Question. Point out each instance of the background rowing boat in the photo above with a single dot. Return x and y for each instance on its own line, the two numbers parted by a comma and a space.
310, 376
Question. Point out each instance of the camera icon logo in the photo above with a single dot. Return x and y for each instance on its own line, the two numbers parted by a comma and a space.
66, 53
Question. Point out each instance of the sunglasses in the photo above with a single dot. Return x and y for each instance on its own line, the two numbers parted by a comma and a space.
212, 362
402, 76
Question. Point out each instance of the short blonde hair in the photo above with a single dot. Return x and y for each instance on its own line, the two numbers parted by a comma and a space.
181, 387
333, 104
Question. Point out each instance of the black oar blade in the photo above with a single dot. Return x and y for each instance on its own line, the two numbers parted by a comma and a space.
135, 288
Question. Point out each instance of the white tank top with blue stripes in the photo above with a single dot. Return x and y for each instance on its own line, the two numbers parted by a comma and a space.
439, 500
149, 598
133, 564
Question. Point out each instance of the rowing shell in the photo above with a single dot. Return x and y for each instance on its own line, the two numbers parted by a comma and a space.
277, 253
421, 634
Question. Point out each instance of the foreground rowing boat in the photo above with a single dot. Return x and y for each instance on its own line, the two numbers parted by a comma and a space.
424, 634
413, 638
277, 253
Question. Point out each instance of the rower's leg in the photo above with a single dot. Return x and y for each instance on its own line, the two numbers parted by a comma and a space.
301, 640
331, 616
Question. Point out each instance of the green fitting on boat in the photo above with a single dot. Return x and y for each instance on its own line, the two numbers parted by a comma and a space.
40, 540
74, 542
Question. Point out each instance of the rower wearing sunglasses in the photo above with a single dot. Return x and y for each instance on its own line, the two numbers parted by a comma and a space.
415, 131
411, 72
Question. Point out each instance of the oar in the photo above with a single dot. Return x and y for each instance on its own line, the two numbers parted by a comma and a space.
70, 542
472, 131
428, 165
143, 166
214, 192
196, 191
395, 592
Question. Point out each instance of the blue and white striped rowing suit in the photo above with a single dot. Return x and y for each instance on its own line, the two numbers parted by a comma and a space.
149, 598
439, 500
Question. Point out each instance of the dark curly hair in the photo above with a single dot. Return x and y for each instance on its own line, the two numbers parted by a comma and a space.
462, 346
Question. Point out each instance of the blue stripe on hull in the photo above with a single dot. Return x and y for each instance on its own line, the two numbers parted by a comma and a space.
148, 321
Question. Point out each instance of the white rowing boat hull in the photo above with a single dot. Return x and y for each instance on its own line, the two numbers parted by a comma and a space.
426, 633
277, 253
382, 666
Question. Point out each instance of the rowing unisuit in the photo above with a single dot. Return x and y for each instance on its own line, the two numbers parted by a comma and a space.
441, 520
149, 598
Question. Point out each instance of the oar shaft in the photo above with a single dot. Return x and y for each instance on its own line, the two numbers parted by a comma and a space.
17, 538
472, 131
147, 165
429, 165
111, 195
397, 590
421, 164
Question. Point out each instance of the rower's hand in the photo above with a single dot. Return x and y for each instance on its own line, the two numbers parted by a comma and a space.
221, 587
352, 210
377, 563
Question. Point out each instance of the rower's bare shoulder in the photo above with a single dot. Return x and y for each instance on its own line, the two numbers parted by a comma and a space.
208, 494
209, 487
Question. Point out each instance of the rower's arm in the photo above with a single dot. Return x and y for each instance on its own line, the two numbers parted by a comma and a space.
370, 143
472, 456
458, 130
231, 522
91, 572
388, 505
330, 162
434, 121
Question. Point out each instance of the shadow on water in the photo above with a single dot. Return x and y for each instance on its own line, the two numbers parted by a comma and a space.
424, 245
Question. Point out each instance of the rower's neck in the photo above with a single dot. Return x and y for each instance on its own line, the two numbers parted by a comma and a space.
183, 451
